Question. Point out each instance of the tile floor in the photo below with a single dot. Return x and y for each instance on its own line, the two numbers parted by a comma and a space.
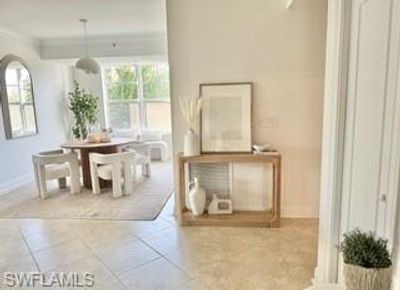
145, 255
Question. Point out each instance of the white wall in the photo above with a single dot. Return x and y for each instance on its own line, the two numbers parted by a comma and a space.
49, 82
282, 52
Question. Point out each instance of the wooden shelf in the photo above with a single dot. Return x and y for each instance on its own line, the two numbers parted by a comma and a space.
229, 157
238, 219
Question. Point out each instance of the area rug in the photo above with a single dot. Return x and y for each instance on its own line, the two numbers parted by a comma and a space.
145, 203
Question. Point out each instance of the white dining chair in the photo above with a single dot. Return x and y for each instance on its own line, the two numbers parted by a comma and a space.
157, 140
142, 152
56, 164
115, 167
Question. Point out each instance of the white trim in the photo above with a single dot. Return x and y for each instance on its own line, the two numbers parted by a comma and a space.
326, 287
333, 136
16, 36
392, 222
15, 183
390, 219
332, 142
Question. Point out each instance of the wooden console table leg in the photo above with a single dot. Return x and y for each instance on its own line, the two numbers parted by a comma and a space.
276, 193
180, 194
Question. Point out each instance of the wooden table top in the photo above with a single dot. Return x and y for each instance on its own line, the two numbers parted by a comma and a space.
86, 144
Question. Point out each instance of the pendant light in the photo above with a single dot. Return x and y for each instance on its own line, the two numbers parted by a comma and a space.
86, 63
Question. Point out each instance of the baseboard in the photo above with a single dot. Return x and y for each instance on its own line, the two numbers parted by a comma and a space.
326, 287
299, 212
15, 183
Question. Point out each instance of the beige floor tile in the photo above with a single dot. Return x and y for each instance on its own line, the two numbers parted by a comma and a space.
122, 259
157, 275
161, 255
9, 230
34, 226
146, 228
103, 277
169, 207
11, 250
108, 241
195, 258
60, 255
194, 284
18, 264
166, 241
43, 240
170, 218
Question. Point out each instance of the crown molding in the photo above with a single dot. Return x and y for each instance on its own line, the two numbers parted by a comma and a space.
19, 37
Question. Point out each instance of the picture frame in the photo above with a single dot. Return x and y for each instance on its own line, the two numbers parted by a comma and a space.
226, 117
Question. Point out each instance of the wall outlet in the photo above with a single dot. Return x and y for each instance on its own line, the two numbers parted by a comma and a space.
269, 122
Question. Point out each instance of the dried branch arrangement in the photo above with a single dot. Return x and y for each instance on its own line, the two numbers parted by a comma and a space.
191, 108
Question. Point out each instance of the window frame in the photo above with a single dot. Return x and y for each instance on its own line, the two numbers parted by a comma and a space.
21, 103
141, 101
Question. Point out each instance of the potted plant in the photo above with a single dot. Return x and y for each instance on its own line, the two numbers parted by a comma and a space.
368, 264
85, 108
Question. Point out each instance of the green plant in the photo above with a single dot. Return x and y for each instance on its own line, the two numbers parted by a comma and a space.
85, 108
365, 250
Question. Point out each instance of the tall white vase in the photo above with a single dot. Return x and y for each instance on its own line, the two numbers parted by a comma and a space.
197, 198
191, 144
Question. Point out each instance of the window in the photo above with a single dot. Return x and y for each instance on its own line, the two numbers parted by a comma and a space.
20, 100
137, 97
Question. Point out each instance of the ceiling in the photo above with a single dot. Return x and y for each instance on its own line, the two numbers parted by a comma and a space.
49, 19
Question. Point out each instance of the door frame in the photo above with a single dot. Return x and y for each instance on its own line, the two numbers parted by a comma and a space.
336, 70
336, 67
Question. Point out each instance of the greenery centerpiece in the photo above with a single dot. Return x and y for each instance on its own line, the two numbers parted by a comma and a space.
85, 108
368, 265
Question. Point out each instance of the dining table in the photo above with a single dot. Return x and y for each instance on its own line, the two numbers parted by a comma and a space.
85, 147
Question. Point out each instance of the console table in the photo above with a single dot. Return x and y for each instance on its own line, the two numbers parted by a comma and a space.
269, 218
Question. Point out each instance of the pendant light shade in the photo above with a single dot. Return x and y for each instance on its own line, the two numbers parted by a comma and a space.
86, 63
89, 65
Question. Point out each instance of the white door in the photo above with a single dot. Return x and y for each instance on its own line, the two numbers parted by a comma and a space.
369, 156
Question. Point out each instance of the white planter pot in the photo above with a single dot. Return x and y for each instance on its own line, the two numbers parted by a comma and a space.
360, 278
191, 144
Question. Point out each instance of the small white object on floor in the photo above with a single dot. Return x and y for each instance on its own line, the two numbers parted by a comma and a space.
220, 205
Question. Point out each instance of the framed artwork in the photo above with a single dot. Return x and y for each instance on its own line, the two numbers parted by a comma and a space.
226, 118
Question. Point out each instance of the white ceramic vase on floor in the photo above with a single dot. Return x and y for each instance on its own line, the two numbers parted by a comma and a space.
191, 144
197, 198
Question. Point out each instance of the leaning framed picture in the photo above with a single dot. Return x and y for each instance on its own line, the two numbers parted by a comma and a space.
226, 117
